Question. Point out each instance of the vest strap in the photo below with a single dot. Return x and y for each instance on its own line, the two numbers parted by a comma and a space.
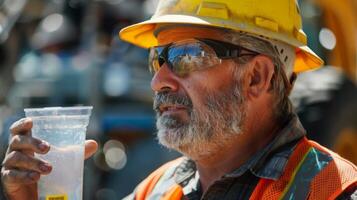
299, 186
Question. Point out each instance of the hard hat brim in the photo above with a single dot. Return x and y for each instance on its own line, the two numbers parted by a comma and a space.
142, 35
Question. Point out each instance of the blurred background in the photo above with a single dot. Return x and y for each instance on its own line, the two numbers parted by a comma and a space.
67, 53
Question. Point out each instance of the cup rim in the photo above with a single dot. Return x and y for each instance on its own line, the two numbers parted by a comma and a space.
58, 111
59, 108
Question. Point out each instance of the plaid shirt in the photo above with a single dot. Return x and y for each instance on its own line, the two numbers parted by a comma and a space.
269, 163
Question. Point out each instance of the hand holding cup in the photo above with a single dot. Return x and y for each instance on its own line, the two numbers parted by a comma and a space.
21, 170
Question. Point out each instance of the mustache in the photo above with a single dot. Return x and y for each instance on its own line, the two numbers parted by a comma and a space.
171, 98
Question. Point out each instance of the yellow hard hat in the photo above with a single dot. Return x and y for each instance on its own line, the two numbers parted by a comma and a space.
273, 19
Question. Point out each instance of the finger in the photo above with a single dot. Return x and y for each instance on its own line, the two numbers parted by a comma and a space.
14, 176
91, 147
28, 144
19, 160
22, 126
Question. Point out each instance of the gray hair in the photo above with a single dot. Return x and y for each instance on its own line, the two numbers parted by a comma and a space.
280, 84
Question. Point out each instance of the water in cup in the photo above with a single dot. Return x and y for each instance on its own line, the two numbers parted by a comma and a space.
64, 129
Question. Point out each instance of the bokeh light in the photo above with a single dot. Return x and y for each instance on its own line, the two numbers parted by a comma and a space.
52, 22
327, 38
115, 155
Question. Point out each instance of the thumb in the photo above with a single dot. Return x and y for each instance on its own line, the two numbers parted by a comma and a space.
91, 147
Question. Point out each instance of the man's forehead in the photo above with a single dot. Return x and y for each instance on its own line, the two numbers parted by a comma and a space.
171, 34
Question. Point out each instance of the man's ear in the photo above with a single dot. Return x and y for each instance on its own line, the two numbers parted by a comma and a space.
260, 74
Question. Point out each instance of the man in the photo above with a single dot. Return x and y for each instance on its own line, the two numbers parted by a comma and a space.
222, 73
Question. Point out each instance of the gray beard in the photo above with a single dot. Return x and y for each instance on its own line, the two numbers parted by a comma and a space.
208, 129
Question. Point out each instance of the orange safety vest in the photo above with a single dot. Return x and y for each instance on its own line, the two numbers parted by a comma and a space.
312, 172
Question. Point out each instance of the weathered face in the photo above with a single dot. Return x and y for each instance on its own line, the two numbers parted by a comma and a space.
198, 112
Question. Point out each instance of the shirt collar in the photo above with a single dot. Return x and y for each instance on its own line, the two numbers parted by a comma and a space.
270, 162
276, 155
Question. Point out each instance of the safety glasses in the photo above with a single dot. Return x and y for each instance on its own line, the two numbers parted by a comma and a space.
190, 55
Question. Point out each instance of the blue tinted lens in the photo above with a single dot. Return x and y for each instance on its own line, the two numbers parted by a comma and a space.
182, 58
193, 54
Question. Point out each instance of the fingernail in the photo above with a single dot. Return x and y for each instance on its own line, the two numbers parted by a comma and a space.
45, 167
25, 121
43, 146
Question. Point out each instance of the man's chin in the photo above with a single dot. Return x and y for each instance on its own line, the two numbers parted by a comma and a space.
194, 148
174, 140
168, 138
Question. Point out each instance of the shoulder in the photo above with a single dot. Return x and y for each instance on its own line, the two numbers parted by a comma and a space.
341, 164
160, 175
171, 165
336, 176
312, 172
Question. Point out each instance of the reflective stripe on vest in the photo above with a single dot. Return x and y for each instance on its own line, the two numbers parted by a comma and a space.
299, 186
312, 172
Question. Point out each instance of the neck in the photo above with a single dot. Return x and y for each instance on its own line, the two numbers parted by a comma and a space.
235, 153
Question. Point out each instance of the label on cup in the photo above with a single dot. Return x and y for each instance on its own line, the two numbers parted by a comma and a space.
57, 197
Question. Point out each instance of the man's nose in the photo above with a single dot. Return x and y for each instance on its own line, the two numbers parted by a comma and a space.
164, 79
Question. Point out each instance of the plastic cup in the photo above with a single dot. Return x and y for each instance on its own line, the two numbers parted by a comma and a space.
65, 129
